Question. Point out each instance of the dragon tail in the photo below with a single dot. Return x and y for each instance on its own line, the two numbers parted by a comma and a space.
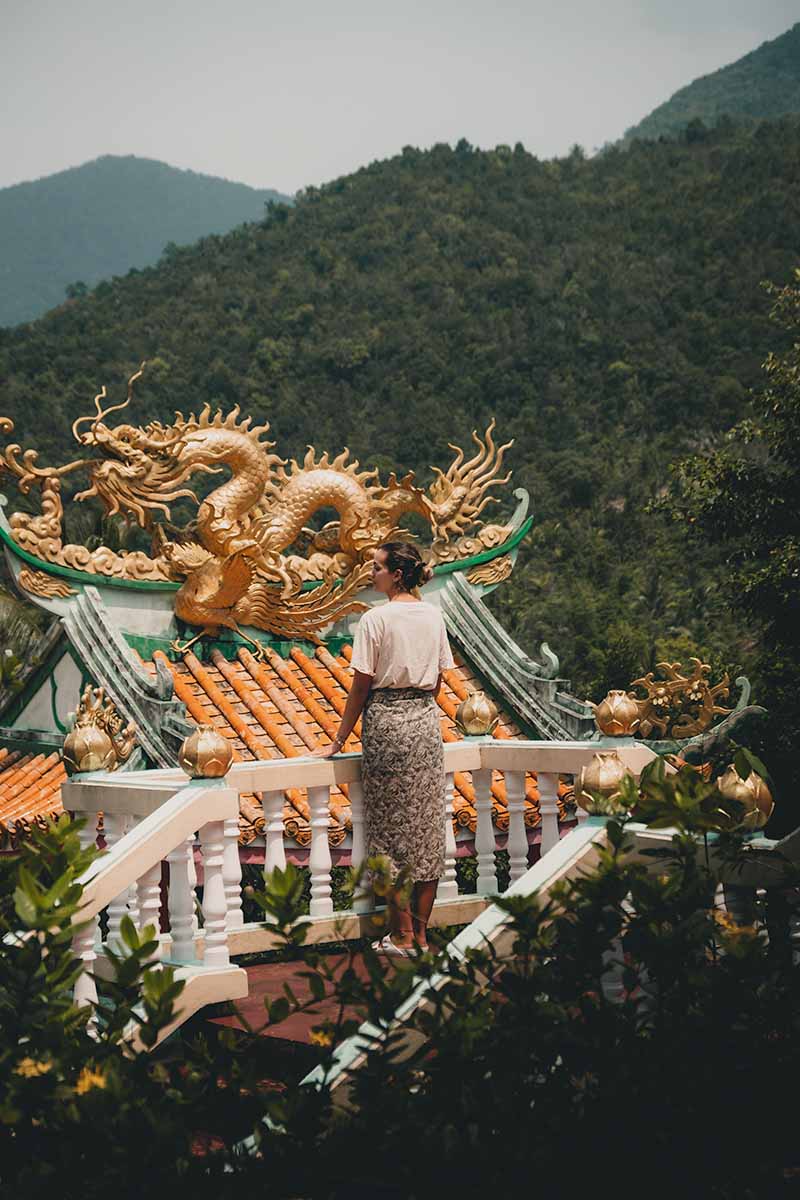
263, 607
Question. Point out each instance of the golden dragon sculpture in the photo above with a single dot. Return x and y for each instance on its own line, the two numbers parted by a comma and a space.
244, 557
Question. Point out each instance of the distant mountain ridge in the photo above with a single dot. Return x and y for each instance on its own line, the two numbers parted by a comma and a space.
101, 219
765, 84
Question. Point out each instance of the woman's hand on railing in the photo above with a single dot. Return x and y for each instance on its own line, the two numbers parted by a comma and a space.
328, 751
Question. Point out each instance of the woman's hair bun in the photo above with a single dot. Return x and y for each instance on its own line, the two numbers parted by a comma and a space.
406, 558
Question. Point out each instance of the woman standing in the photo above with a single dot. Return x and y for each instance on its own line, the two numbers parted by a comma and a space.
399, 652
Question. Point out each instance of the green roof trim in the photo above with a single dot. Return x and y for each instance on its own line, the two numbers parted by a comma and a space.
145, 646
487, 555
89, 578
84, 577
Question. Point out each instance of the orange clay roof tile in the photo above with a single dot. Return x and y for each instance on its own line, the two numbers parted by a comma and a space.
30, 786
271, 709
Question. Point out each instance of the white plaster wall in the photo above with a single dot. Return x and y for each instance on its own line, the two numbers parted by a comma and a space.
38, 712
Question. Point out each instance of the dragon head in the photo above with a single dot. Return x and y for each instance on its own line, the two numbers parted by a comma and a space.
142, 471
457, 497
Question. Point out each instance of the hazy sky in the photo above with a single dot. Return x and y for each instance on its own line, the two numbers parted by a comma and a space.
294, 93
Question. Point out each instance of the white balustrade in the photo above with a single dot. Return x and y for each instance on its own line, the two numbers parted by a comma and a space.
548, 809
484, 833
517, 834
85, 942
362, 901
215, 908
114, 828
133, 890
147, 792
193, 885
149, 886
274, 852
181, 901
448, 884
319, 859
232, 873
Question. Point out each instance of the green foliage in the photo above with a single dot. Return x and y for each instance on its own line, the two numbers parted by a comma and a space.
763, 84
607, 311
744, 496
628, 1018
62, 234
78, 1112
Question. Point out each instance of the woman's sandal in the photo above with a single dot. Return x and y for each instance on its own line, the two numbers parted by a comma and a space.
391, 950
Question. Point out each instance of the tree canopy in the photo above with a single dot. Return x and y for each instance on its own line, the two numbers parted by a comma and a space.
607, 311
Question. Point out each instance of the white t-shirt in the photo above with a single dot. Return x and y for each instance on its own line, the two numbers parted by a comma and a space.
402, 644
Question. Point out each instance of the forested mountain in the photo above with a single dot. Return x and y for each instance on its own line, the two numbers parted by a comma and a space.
763, 84
101, 219
608, 312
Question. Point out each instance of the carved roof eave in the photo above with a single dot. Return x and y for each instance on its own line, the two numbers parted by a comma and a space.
520, 525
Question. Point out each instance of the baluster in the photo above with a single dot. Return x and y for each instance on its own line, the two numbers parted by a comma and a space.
517, 834
362, 901
212, 841
232, 872
319, 860
85, 942
181, 901
448, 884
114, 829
548, 809
274, 851
133, 890
149, 886
484, 833
193, 885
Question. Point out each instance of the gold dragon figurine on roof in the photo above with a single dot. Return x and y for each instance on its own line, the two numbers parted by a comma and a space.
245, 556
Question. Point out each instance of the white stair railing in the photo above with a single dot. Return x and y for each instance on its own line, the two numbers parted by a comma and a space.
134, 858
152, 817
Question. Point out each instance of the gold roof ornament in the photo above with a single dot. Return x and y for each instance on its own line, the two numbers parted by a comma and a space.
617, 715
39, 583
598, 786
244, 559
477, 716
680, 706
99, 740
205, 754
752, 793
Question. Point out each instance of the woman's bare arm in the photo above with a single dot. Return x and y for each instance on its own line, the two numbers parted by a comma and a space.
359, 690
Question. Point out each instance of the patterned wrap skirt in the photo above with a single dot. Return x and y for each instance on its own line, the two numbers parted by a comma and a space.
403, 780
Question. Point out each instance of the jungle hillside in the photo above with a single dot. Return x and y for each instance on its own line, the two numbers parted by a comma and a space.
74, 228
609, 312
763, 84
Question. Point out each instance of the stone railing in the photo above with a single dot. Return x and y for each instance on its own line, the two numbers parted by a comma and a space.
162, 830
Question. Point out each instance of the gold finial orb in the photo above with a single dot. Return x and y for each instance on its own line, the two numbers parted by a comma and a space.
752, 793
205, 754
618, 715
88, 748
477, 716
598, 787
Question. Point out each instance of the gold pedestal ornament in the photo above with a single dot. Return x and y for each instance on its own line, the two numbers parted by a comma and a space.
598, 787
617, 715
88, 748
477, 716
99, 740
205, 754
752, 793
